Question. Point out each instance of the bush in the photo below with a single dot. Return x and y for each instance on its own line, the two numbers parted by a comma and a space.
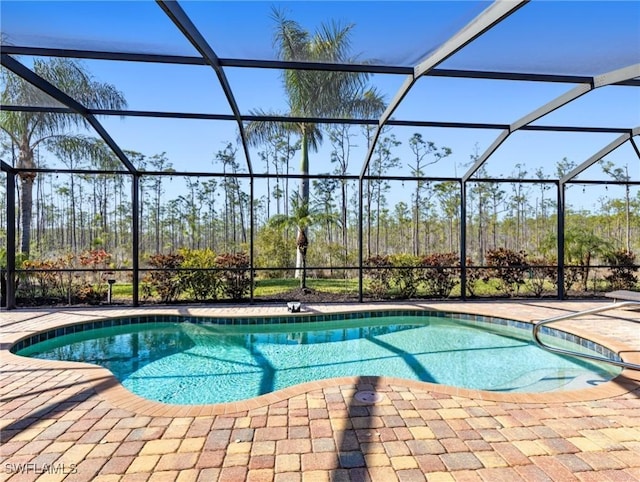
165, 281
201, 283
273, 248
96, 291
622, 270
572, 275
473, 276
89, 294
508, 267
44, 279
405, 274
201, 273
234, 274
541, 272
43, 284
378, 271
440, 273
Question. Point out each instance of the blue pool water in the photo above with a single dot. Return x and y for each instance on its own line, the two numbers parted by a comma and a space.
189, 363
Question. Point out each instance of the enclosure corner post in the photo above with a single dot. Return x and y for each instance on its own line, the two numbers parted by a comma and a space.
463, 240
560, 247
360, 242
9, 287
135, 237
252, 274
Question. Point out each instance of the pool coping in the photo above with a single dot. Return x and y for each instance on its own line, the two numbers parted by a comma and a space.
107, 386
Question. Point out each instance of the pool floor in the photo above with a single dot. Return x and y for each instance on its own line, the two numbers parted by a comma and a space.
204, 363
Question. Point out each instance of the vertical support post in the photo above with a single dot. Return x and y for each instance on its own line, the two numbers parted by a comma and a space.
560, 247
135, 237
463, 239
10, 281
360, 242
251, 240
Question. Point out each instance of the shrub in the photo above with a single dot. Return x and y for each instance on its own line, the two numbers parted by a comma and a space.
405, 274
541, 272
42, 284
273, 248
440, 273
95, 292
622, 269
95, 258
473, 276
508, 267
201, 283
46, 280
572, 275
235, 274
378, 271
89, 294
165, 280
54, 285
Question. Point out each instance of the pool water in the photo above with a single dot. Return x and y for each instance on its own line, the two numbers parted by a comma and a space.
187, 363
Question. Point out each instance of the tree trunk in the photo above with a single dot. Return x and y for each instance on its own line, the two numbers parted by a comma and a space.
416, 227
481, 246
303, 278
40, 215
25, 161
74, 239
302, 242
26, 204
369, 198
628, 217
83, 242
241, 210
269, 186
378, 201
156, 215
304, 204
344, 222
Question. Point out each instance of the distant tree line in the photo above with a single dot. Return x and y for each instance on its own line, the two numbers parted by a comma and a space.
408, 226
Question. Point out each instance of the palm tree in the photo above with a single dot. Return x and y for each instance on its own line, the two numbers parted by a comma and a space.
302, 217
314, 93
26, 130
581, 246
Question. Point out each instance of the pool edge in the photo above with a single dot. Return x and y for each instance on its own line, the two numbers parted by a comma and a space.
107, 386
111, 390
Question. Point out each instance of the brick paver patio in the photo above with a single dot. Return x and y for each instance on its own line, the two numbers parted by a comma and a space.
75, 423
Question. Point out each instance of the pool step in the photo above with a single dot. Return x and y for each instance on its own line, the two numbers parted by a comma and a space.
546, 380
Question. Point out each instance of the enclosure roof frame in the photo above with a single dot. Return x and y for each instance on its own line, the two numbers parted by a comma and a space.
53, 91
179, 17
491, 16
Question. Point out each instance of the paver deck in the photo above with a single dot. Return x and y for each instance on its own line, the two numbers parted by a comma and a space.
74, 422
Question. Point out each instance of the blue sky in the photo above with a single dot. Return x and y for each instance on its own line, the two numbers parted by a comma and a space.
574, 37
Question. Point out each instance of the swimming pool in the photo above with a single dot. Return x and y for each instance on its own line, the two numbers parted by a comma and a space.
190, 360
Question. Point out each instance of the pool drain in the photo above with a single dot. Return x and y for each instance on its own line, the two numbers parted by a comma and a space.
368, 397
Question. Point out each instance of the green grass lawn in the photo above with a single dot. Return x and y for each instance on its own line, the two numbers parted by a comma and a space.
275, 286
266, 287
122, 290
269, 287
